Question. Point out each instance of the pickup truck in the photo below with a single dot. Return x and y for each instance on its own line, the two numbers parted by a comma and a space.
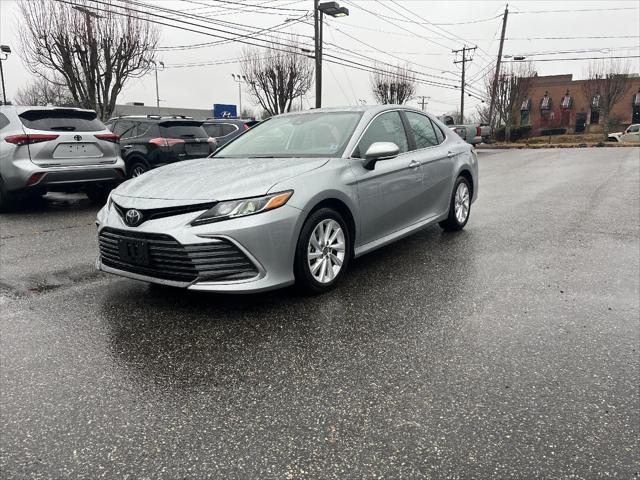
631, 134
472, 133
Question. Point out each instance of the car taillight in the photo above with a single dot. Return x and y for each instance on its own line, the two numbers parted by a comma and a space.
478, 132
246, 127
108, 137
212, 141
166, 142
30, 138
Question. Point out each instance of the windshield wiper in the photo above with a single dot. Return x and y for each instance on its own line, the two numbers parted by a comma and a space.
261, 156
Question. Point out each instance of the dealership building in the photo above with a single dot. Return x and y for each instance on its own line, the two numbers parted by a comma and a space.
558, 101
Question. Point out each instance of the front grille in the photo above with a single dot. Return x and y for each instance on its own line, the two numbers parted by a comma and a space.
153, 213
170, 260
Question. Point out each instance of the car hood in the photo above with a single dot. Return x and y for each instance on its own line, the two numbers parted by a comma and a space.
216, 178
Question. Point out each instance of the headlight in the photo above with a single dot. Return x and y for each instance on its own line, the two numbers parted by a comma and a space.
243, 207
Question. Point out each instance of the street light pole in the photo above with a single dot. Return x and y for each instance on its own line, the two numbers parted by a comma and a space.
157, 90
4, 52
239, 79
319, 9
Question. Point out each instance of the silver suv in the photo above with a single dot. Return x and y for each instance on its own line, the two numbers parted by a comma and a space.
59, 149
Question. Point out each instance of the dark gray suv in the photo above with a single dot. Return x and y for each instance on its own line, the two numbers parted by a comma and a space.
226, 129
59, 149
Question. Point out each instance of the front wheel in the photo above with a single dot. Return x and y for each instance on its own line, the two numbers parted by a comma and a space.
459, 207
322, 252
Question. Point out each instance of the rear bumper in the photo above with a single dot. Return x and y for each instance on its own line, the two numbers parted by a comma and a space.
16, 177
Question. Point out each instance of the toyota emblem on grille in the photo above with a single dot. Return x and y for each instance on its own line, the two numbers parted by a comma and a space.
133, 217
77, 138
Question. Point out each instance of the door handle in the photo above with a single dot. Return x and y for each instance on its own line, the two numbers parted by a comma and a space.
450, 154
414, 164
126, 147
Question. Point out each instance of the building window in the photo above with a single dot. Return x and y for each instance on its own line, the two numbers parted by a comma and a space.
545, 102
566, 102
524, 117
595, 116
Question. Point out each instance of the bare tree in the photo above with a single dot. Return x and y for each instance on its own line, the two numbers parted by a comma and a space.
513, 88
606, 83
393, 85
41, 91
276, 77
94, 52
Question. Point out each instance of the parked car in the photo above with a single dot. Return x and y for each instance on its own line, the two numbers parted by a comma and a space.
226, 129
471, 133
294, 199
631, 134
58, 149
151, 141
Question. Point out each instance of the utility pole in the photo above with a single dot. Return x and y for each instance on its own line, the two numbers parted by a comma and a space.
494, 85
424, 101
464, 61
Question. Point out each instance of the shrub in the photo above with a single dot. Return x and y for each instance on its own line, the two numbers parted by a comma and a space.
553, 131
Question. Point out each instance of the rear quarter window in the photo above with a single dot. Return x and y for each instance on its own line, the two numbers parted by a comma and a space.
4, 121
61, 121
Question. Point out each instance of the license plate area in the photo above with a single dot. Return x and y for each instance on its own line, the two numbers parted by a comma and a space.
77, 150
134, 251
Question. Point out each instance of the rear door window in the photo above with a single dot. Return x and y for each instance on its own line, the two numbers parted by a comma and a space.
423, 130
61, 121
183, 130
124, 129
228, 128
213, 129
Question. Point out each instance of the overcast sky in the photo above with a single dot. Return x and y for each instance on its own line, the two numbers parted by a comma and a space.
422, 34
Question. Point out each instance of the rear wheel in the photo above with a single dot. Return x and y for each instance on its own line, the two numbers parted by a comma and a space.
459, 207
97, 193
136, 169
322, 252
6, 202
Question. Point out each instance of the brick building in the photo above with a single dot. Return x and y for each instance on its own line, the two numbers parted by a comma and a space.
559, 101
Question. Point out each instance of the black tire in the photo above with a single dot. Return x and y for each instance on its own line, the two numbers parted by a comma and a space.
7, 202
452, 224
97, 193
135, 167
305, 280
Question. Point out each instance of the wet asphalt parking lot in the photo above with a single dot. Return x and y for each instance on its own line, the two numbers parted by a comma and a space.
508, 350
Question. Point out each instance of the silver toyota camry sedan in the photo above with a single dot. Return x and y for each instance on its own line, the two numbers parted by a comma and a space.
292, 200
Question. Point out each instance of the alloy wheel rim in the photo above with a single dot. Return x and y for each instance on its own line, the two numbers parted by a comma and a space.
326, 251
462, 202
137, 171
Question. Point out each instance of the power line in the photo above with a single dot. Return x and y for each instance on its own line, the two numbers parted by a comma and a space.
577, 58
272, 46
576, 10
248, 5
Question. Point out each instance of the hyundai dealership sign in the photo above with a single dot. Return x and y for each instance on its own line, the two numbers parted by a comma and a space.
221, 110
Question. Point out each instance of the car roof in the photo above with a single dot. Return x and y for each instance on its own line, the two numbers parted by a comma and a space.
372, 109
155, 118
18, 109
228, 120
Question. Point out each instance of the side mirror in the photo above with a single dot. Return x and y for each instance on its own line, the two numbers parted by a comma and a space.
380, 151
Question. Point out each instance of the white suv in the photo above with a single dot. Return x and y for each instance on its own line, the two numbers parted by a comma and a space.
59, 149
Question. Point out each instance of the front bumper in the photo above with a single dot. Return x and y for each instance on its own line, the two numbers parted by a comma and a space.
267, 239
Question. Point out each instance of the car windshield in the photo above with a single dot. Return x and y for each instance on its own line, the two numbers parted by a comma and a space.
314, 134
